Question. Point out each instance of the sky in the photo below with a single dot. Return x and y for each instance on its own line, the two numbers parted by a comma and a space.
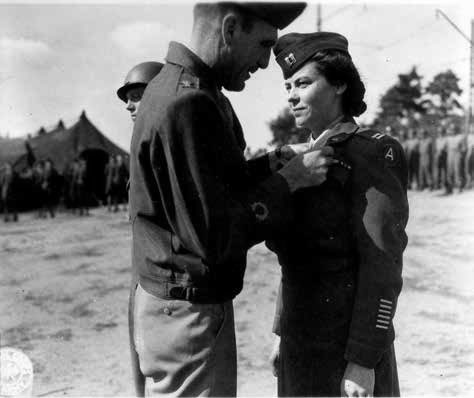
58, 59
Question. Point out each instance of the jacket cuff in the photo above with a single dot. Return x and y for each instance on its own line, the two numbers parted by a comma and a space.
259, 168
362, 354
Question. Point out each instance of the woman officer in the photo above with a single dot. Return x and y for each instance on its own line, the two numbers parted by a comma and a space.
342, 260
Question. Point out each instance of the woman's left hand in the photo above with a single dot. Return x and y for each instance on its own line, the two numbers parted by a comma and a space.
358, 381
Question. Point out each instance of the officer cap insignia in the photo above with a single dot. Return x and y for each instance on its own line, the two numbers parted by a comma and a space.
290, 60
293, 50
260, 210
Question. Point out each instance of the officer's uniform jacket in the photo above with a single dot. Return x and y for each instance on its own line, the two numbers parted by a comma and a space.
196, 205
342, 258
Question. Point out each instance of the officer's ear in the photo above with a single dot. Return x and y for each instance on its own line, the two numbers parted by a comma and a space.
230, 28
340, 88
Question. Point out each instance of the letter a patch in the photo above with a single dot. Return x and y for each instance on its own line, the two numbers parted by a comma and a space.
390, 155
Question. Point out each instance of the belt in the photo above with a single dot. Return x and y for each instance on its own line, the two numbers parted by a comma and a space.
174, 291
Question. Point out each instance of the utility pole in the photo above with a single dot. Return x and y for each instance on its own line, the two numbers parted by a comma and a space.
318, 17
471, 83
469, 117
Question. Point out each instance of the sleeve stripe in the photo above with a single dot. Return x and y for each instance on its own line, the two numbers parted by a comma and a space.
383, 316
383, 322
386, 301
381, 327
385, 312
385, 306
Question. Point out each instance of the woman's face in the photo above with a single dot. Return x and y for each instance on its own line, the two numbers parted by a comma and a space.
313, 101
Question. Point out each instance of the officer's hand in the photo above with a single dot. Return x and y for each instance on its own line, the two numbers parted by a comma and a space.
358, 381
275, 356
285, 153
288, 152
308, 169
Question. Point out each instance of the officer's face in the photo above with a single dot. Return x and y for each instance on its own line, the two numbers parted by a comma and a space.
314, 102
248, 52
134, 96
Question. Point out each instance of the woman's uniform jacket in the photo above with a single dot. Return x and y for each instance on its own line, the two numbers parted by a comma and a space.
342, 267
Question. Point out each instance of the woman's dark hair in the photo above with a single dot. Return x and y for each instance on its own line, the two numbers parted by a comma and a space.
337, 67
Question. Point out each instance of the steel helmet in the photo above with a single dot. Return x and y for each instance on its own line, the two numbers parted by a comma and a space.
139, 75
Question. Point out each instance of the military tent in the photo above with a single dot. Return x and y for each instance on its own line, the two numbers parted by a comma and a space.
62, 145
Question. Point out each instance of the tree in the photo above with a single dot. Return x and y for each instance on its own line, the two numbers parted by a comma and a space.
403, 103
284, 129
443, 95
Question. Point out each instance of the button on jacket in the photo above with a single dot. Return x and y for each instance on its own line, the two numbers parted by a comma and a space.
196, 205
342, 262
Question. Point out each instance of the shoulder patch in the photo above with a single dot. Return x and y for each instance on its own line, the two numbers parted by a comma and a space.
387, 149
390, 154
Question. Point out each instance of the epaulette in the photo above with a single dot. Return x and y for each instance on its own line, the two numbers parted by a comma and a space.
388, 149
373, 135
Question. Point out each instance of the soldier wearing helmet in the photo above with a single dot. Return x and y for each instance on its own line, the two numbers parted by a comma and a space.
131, 93
135, 83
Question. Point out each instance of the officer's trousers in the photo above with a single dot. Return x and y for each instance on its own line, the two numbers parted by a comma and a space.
185, 349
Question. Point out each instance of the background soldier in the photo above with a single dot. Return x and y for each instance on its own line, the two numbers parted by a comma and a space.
424, 168
131, 93
455, 145
8, 181
80, 187
119, 183
469, 161
412, 157
109, 169
38, 179
440, 162
50, 186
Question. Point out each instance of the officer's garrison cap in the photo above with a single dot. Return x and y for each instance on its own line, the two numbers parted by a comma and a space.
294, 49
279, 15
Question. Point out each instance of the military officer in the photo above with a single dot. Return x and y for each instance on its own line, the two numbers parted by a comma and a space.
342, 258
131, 93
197, 205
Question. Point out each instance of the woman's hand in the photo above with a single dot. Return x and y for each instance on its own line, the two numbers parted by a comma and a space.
275, 356
358, 381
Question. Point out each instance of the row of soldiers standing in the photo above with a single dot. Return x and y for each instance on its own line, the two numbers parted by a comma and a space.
44, 188
444, 160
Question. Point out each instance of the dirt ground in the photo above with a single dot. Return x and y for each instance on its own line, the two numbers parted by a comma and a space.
64, 287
